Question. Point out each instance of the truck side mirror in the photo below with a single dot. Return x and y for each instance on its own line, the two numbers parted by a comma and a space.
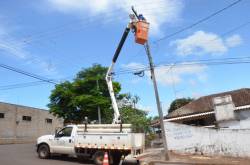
56, 132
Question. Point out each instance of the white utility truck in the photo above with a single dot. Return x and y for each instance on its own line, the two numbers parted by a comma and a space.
93, 140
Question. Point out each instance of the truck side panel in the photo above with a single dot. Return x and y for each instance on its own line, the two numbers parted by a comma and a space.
104, 140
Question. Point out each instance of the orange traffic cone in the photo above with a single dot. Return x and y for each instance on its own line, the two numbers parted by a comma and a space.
105, 159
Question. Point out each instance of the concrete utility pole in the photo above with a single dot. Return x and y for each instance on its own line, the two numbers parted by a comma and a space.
98, 108
147, 48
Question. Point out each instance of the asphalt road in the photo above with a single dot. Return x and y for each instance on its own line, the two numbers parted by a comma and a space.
25, 154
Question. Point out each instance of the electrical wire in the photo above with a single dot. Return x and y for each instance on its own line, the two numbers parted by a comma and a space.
30, 84
81, 22
84, 25
202, 20
222, 35
22, 85
27, 74
221, 61
53, 30
170, 66
183, 29
198, 22
40, 35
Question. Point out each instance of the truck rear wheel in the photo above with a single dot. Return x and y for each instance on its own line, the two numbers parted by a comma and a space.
43, 151
82, 158
99, 156
130, 162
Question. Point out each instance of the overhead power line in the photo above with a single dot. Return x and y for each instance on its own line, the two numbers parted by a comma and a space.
27, 73
222, 61
29, 84
236, 28
78, 23
22, 85
172, 63
198, 22
169, 65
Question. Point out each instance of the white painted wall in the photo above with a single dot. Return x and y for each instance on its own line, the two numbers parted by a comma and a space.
224, 108
242, 121
198, 140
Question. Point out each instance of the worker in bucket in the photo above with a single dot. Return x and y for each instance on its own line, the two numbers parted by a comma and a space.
141, 17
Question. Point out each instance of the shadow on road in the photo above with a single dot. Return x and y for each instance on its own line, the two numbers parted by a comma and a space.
70, 159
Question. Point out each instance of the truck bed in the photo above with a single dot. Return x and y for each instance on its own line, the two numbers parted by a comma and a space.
108, 136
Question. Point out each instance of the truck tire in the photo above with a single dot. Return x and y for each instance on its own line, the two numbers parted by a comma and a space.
130, 162
43, 151
98, 158
81, 158
116, 157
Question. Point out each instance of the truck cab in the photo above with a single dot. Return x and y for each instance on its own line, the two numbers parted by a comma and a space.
62, 142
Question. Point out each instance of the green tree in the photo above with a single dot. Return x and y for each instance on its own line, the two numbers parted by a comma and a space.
177, 103
132, 115
75, 100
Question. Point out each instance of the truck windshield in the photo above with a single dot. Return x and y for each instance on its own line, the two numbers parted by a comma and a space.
65, 132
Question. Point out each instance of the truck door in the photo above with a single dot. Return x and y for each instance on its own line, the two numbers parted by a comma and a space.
63, 142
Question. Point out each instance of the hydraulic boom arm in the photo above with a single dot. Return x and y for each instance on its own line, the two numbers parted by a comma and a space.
139, 26
116, 118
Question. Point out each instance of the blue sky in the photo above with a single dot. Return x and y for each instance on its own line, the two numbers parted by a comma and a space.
56, 38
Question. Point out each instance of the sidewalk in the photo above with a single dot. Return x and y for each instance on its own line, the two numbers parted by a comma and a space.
156, 156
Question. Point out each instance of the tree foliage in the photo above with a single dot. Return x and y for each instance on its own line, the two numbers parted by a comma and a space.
80, 98
132, 115
75, 100
136, 117
177, 103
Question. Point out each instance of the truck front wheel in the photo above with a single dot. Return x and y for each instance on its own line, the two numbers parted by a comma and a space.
43, 151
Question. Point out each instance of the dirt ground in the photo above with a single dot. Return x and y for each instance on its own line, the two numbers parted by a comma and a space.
157, 155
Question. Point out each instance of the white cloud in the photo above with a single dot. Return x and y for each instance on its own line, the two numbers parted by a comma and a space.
233, 40
144, 108
201, 42
157, 12
168, 75
80, 5
9, 45
134, 65
16, 49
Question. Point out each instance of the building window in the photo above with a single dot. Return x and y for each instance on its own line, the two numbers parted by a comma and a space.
47, 120
26, 118
1, 115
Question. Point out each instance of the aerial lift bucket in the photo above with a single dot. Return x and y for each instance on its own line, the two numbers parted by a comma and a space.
141, 33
